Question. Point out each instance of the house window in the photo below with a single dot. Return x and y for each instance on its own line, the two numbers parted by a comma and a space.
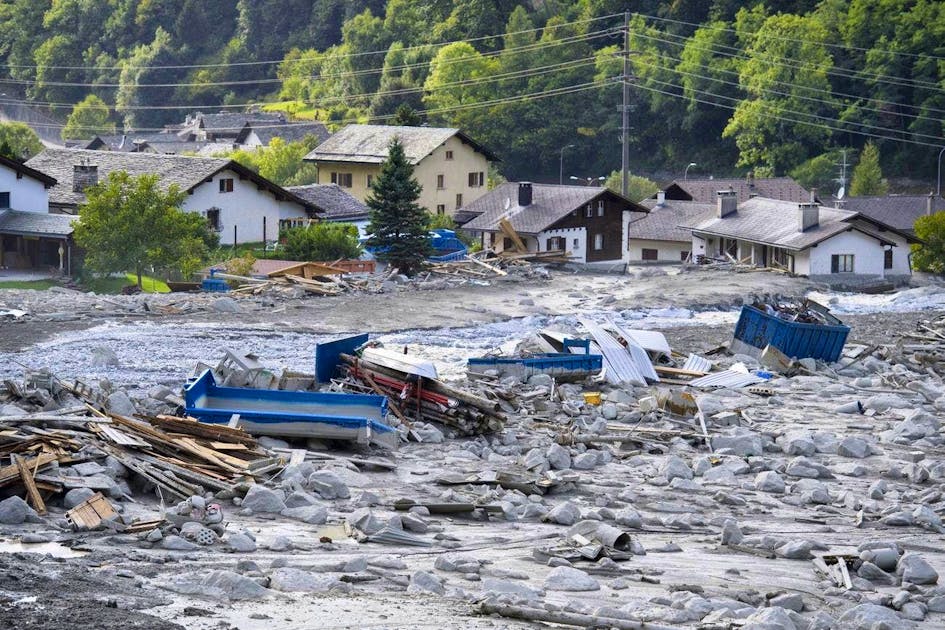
589, 211
345, 180
476, 180
650, 254
441, 208
576, 244
555, 243
600, 207
841, 263
598, 242
226, 185
213, 219
459, 201
4, 199
440, 182
507, 244
683, 256
887, 258
370, 180
449, 155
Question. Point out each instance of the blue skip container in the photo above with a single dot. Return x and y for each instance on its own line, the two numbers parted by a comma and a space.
795, 339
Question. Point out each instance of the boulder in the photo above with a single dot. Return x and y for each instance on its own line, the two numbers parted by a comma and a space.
263, 500
290, 580
224, 585
769, 481
855, 447
870, 616
240, 543
570, 579
311, 514
770, 619
913, 568
423, 582
564, 514
76, 496
15, 511
675, 467
328, 485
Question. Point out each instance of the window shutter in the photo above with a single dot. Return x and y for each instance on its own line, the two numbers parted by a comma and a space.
835, 264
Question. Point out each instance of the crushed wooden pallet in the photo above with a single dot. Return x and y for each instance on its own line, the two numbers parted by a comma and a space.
90, 513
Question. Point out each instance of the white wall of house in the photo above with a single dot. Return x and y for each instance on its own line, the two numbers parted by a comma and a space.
26, 194
244, 207
900, 253
867, 252
666, 251
575, 242
455, 174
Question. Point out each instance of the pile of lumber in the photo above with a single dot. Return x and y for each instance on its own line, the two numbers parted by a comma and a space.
180, 456
422, 398
922, 348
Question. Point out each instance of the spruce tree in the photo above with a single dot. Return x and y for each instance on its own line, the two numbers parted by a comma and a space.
398, 224
868, 175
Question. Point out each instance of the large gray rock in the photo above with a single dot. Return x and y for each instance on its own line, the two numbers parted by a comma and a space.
118, 402
629, 517
675, 467
311, 514
423, 582
913, 568
570, 579
263, 500
855, 447
564, 514
494, 586
770, 619
870, 616
15, 511
240, 543
226, 305
558, 457
176, 543
744, 444
300, 499
328, 485
769, 481
365, 520
224, 585
290, 580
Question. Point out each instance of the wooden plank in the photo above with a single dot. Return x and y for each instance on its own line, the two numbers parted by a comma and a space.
506, 226
11, 473
678, 371
32, 492
493, 269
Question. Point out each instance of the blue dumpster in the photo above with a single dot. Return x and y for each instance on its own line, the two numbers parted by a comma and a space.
797, 340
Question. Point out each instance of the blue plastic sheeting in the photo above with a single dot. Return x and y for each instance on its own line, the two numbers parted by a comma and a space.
554, 364
445, 244
332, 416
328, 354
795, 339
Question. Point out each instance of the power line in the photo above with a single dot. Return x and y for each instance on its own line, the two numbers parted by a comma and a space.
343, 56
793, 40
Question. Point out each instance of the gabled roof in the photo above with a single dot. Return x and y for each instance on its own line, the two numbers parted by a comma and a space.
550, 204
187, 172
290, 132
24, 170
36, 223
369, 143
774, 222
897, 211
663, 221
704, 190
332, 201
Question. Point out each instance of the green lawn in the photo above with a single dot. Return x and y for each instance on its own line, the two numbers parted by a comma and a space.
114, 284
37, 285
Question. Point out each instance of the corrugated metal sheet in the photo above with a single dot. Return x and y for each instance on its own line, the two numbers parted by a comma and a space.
640, 358
121, 438
731, 379
695, 363
621, 368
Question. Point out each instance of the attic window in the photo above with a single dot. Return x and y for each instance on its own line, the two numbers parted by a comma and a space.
449, 155
226, 185
589, 211
600, 207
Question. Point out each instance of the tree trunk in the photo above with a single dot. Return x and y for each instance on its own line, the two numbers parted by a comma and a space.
138, 271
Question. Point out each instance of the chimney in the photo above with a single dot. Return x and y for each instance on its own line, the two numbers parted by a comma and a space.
525, 194
661, 198
751, 180
928, 204
808, 216
83, 176
813, 195
728, 202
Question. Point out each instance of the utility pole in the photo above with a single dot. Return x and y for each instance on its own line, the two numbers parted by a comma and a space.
625, 110
842, 180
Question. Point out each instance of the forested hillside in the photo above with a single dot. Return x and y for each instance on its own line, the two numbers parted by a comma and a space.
728, 85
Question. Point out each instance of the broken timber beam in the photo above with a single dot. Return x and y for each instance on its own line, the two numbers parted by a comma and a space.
31, 490
506, 226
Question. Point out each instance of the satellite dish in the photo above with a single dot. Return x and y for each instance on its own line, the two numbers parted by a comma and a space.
508, 203
841, 192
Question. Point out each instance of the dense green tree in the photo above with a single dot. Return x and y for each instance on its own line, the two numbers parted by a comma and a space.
129, 224
868, 174
930, 254
280, 161
322, 242
22, 142
398, 226
820, 172
406, 116
638, 187
89, 118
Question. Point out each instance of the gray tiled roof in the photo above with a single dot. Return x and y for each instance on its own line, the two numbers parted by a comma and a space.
368, 143
184, 171
781, 188
898, 211
550, 204
333, 201
36, 223
774, 222
662, 223
290, 132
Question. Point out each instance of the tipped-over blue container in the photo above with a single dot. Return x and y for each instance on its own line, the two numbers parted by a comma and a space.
795, 339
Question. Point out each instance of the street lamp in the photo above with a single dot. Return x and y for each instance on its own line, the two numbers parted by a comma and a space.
686, 172
938, 187
588, 181
561, 163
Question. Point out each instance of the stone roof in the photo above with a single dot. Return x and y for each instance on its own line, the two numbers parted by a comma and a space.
663, 221
550, 204
897, 211
184, 171
36, 223
369, 143
291, 132
774, 222
704, 190
332, 201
